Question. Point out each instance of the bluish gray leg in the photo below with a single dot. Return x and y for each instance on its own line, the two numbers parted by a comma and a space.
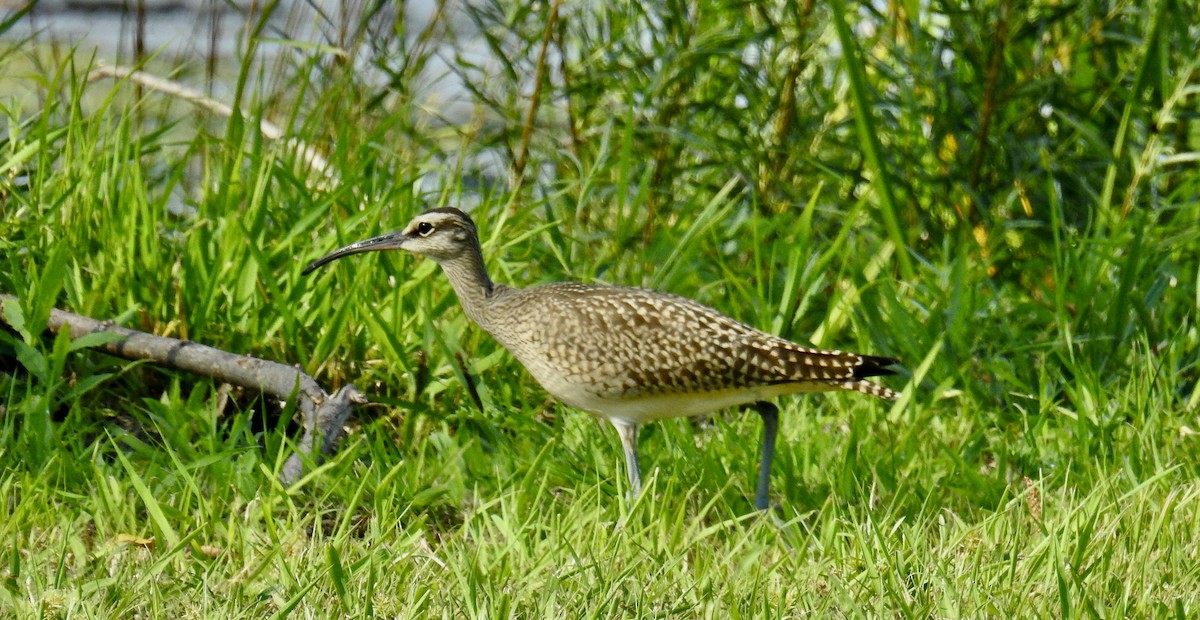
627, 431
770, 418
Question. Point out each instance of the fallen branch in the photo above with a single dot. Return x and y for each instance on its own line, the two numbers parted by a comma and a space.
324, 414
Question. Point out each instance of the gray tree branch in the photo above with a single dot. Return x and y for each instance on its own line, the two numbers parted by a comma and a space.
324, 414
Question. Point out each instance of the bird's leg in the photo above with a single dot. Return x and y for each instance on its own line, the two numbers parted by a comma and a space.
627, 431
770, 418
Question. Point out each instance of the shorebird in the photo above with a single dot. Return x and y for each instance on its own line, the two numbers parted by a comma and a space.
629, 355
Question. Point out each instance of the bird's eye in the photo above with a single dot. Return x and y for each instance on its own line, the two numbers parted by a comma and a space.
424, 228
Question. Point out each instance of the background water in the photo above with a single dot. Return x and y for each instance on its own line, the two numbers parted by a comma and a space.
195, 32
200, 44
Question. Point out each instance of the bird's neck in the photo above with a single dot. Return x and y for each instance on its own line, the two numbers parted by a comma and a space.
471, 283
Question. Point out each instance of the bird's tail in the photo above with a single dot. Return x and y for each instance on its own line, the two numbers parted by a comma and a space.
874, 366
871, 389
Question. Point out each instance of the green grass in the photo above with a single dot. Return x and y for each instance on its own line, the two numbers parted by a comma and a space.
1018, 224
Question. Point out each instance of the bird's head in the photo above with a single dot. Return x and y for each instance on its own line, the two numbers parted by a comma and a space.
441, 234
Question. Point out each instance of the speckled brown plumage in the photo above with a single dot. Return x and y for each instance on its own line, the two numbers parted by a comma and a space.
590, 345
626, 354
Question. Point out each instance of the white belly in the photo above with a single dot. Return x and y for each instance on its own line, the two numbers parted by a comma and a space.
643, 409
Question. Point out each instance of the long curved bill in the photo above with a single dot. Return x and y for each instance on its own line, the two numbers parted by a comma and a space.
390, 241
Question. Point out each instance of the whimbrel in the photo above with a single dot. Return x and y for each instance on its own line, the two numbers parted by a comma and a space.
629, 355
